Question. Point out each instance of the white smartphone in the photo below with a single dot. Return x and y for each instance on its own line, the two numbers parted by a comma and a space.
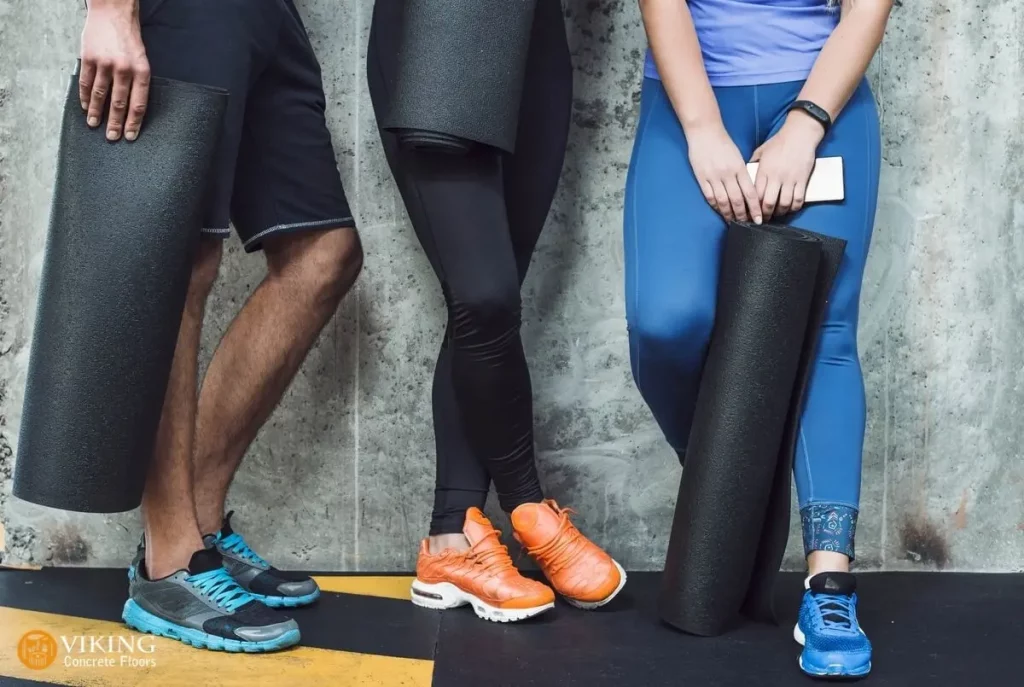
825, 184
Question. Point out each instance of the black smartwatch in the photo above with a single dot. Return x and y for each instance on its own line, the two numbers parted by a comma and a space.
816, 113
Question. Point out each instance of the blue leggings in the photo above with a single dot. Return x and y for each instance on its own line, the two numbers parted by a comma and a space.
673, 241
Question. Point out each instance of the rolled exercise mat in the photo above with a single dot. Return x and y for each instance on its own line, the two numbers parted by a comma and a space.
461, 65
767, 294
123, 224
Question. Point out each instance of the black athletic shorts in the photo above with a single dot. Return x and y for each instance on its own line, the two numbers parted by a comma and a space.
276, 171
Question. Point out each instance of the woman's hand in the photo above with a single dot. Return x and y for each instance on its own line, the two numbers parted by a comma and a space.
786, 162
722, 174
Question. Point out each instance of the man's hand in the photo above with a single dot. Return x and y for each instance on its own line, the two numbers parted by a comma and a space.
114, 65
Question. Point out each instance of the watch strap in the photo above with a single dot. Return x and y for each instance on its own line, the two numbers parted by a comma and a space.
819, 114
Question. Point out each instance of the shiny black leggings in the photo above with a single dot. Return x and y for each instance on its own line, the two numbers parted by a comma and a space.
478, 216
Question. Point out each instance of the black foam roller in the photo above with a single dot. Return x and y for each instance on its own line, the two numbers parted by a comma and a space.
760, 602
124, 222
767, 304
461, 65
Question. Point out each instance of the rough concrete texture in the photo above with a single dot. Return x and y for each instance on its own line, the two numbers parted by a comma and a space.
341, 477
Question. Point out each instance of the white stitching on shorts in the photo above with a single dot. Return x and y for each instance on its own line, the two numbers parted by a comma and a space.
298, 225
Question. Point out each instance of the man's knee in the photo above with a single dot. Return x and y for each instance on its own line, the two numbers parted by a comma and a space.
324, 264
205, 267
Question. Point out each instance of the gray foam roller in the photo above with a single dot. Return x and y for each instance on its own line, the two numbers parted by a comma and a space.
461, 65
123, 226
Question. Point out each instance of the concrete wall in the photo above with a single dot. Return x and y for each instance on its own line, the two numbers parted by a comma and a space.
341, 477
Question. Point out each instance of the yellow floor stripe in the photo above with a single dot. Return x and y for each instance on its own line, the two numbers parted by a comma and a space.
19, 566
382, 586
178, 664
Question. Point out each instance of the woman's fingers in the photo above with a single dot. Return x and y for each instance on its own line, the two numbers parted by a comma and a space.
709, 193
736, 200
799, 193
750, 196
722, 203
770, 199
785, 199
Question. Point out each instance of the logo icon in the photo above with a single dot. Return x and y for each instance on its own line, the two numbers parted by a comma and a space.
37, 649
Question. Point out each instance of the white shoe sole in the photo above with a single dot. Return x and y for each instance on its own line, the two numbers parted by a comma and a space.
444, 595
591, 605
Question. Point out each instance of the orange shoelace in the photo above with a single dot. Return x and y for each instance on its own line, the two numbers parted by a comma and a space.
564, 548
492, 560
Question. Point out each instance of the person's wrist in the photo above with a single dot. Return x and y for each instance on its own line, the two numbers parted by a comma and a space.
805, 126
125, 6
703, 125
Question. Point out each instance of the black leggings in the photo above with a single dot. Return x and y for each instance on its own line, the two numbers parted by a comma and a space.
478, 216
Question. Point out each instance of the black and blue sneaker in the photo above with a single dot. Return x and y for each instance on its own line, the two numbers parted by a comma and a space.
203, 606
827, 629
265, 582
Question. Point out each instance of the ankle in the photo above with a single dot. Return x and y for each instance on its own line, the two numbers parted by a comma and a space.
827, 561
162, 561
437, 543
210, 521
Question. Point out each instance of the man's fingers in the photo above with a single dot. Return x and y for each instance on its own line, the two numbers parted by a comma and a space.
137, 102
119, 101
100, 91
750, 196
722, 200
736, 200
85, 80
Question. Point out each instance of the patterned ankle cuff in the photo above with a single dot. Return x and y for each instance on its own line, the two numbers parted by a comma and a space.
829, 527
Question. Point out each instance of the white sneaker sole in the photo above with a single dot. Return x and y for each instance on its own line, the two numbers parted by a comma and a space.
444, 595
591, 605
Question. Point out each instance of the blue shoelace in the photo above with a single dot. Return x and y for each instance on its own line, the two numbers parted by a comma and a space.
219, 586
236, 545
836, 610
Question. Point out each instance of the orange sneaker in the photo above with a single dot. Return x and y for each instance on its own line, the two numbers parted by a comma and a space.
483, 577
576, 567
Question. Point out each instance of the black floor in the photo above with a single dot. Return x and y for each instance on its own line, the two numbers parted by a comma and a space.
927, 629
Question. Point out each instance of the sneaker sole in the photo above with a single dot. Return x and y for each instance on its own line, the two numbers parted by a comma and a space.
142, 620
444, 595
591, 605
288, 601
834, 671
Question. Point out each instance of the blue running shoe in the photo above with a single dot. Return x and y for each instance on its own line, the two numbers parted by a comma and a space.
265, 582
834, 645
204, 607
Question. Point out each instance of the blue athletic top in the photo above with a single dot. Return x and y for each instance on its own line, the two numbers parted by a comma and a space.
752, 42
